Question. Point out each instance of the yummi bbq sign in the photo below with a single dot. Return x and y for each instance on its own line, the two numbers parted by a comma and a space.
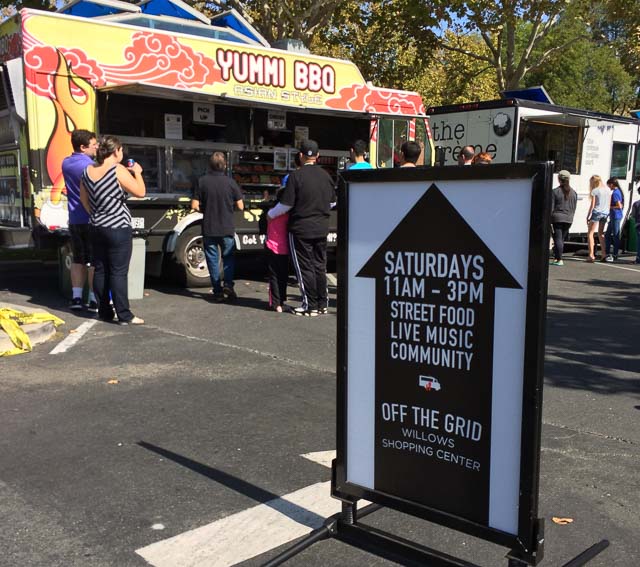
443, 281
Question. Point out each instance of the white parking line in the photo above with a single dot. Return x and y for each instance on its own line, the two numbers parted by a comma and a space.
246, 534
323, 458
249, 533
608, 265
72, 339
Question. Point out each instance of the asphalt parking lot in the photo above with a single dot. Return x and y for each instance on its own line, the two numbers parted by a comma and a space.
192, 426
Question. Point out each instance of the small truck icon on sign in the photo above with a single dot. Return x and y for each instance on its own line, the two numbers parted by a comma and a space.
428, 383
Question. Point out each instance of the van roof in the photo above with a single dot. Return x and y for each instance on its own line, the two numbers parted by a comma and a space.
516, 102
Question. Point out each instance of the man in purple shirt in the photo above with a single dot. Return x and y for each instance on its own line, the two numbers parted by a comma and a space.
85, 146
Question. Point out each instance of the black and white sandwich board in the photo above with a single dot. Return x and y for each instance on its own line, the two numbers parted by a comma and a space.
442, 293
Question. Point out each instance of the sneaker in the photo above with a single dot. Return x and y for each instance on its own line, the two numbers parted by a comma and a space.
323, 310
299, 311
230, 294
609, 258
218, 297
311, 313
134, 321
92, 306
76, 304
557, 263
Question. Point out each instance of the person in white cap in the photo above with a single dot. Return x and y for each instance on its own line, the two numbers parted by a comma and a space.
563, 209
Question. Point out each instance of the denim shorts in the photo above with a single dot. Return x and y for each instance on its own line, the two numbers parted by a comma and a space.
598, 217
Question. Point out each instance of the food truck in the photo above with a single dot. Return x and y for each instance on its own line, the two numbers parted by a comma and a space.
513, 130
175, 86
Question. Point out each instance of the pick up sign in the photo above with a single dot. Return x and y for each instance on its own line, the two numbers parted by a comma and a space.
443, 281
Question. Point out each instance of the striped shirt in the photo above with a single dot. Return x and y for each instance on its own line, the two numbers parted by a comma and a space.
108, 200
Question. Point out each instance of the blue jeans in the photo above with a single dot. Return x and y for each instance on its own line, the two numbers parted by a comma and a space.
213, 245
613, 235
111, 256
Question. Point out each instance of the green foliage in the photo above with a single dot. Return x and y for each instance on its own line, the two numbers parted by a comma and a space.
453, 78
10, 8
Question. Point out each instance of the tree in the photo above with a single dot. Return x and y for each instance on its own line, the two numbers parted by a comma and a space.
587, 73
496, 23
372, 35
10, 8
452, 78
280, 19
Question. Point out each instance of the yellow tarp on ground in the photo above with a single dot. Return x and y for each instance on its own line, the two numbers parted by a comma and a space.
10, 321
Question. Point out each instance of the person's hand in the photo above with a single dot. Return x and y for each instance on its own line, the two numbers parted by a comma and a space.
135, 168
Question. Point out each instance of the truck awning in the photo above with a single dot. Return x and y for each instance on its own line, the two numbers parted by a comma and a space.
558, 119
172, 93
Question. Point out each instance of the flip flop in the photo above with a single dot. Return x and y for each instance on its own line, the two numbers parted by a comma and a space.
591, 260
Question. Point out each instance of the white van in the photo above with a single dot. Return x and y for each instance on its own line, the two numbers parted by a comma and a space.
514, 130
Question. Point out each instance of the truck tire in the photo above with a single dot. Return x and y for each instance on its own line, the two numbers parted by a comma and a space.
190, 265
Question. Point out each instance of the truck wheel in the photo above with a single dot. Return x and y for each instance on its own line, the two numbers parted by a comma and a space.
190, 262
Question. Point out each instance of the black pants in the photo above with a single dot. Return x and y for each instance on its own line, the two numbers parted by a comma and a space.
111, 255
309, 256
560, 233
278, 266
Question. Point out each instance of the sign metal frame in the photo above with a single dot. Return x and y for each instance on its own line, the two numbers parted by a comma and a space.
527, 545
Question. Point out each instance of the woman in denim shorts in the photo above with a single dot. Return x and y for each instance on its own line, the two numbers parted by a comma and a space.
598, 215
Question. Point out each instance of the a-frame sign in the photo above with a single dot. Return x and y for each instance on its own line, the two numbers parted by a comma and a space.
442, 296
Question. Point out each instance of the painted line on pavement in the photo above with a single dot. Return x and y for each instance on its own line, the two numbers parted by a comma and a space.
607, 264
72, 339
323, 458
253, 531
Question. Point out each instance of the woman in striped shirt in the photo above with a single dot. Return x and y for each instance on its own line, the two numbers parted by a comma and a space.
103, 192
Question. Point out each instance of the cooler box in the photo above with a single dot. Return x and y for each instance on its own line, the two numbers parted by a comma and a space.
136, 269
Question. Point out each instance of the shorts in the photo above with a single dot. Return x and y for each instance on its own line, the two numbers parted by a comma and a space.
81, 244
598, 217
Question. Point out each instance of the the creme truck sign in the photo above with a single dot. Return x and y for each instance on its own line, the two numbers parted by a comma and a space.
490, 130
434, 331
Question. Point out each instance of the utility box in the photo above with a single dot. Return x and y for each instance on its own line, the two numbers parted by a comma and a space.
136, 271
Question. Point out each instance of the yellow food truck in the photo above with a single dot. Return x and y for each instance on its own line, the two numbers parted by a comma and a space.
174, 86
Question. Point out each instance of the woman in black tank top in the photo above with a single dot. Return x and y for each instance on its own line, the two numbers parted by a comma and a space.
103, 192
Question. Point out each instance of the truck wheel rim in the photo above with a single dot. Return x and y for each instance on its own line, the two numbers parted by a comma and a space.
196, 263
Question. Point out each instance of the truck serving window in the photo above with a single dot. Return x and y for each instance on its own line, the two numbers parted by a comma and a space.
541, 141
620, 160
422, 138
391, 135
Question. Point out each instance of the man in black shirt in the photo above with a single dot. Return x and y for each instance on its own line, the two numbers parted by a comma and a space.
215, 198
307, 197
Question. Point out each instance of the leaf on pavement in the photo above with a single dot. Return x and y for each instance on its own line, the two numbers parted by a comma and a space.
562, 521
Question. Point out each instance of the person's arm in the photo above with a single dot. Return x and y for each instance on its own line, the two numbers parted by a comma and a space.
593, 204
84, 197
278, 211
617, 204
133, 184
238, 197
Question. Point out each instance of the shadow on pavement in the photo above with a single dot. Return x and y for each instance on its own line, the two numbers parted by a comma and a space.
295, 512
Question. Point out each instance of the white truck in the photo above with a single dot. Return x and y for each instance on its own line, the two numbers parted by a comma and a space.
511, 130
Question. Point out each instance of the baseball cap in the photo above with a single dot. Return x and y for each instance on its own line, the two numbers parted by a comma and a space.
309, 148
564, 174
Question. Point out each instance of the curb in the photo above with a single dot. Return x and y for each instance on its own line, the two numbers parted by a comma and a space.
38, 332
